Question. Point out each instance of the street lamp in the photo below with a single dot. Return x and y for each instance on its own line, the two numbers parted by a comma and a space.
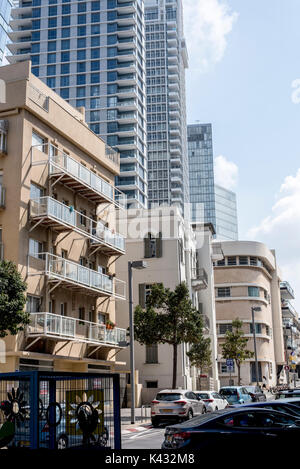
132, 265
255, 309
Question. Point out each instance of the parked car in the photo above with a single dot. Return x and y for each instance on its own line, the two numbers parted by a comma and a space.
175, 405
235, 394
282, 405
233, 428
287, 394
213, 400
256, 393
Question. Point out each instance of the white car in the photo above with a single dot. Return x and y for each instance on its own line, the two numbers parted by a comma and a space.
176, 405
213, 400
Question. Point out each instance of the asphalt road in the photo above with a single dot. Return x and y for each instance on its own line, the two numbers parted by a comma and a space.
151, 438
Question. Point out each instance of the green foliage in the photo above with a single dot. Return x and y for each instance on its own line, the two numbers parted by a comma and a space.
200, 354
235, 345
169, 318
12, 300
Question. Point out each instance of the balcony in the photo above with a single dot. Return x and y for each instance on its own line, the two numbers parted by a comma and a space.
2, 197
199, 279
56, 327
75, 176
48, 212
78, 278
288, 309
286, 291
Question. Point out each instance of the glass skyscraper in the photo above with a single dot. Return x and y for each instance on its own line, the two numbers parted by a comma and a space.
166, 61
226, 214
201, 173
92, 53
5, 10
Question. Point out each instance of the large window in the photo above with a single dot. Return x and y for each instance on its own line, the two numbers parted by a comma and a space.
153, 246
33, 304
257, 328
36, 191
35, 248
253, 291
152, 353
223, 328
223, 292
38, 141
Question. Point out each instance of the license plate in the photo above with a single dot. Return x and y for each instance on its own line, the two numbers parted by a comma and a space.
168, 411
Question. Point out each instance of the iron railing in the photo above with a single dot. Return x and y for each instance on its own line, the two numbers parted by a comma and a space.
96, 231
54, 325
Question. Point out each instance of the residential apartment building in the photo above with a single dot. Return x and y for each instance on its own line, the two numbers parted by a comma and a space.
201, 173
226, 214
57, 224
168, 246
166, 61
248, 276
291, 331
92, 53
5, 10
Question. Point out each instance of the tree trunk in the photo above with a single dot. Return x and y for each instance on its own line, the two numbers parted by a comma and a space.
239, 373
174, 366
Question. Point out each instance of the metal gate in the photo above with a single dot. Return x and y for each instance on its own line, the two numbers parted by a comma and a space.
60, 410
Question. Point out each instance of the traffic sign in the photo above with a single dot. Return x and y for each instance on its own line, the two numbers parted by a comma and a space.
229, 364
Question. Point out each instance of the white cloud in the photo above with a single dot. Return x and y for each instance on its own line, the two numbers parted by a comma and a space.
207, 23
281, 231
226, 172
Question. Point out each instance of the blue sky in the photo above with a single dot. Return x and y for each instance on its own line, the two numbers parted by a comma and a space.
244, 57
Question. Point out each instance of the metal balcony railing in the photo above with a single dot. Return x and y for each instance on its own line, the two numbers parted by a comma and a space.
199, 278
76, 275
287, 307
67, 328
286, 291
62, 215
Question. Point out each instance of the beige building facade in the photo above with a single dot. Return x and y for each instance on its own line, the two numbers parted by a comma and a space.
57, 225
246, 277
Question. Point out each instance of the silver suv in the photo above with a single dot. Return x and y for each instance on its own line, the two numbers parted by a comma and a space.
175, 404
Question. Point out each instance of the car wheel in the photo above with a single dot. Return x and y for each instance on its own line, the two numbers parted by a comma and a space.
62, 442
155, 423
190, 415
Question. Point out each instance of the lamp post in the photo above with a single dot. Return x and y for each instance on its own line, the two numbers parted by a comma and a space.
255, 309
132, 265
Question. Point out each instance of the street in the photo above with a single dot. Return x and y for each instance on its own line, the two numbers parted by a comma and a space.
151, 438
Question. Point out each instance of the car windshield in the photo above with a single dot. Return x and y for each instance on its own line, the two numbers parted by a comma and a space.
228, 392
168, 397
251, 388
203, 395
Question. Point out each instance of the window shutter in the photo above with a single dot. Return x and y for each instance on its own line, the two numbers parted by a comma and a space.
142, 295
159, 246
147, 246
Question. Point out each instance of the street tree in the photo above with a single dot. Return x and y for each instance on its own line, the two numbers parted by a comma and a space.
13, 318
200, 355
235, 346
168, 318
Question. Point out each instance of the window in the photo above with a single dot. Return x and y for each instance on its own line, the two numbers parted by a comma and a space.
95, 41
253, 372
81, 79
36, 191
223, 328
65, 44
151, 384
223, 292
231, 260
51, 70
38, 141
81, 43
64, 92
65, 56
81, 315
267, 330
65, 32
33, 304
35, 248
253, 260
243, 260
82, 217
257, 328
63, 309
253, 291
81, 54
52, 58
65, 80
222, 262
65, 69
51, 82
152, 353
153, 246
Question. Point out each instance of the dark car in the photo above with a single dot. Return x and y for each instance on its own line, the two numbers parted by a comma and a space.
256, 393
228, 428
287, 394
282, 405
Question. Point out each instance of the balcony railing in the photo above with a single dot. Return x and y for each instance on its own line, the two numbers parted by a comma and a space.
79, 277
78, 177
199, 278
51, 212
287, 307
286, 291
66, 328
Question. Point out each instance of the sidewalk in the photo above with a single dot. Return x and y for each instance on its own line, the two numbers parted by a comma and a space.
141, 423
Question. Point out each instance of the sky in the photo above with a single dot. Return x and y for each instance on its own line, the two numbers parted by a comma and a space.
244, 78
